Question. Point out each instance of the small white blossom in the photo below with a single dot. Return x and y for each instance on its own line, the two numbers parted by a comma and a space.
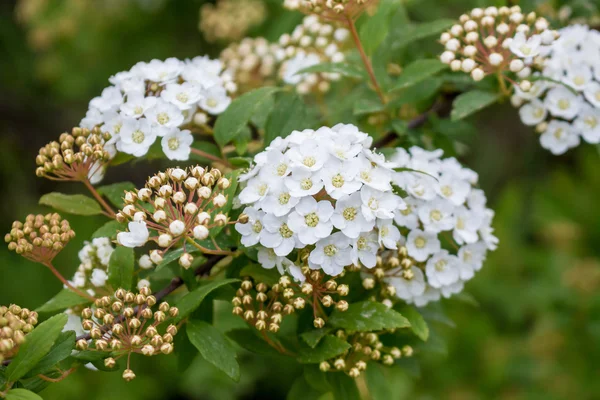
136, 236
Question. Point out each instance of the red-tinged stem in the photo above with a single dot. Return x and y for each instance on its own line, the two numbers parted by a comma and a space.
108, 210
210, 156
66, 282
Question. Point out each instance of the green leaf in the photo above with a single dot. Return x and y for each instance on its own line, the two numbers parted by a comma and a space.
312, 338
241, 162
77, 204
421, 31
90, 356
120, 268
379, 387
343, 387
400, 127
60, 351
224, 241
316, 378
22, 394
115, 192
188, 303
38, 344
260, 274
109, 230
248, 340
417, 323
335, 68
367, 105
63, 300
471, 102
214, 347
301, 390
230, 124
329, 347
289, 113
367, 316
417, 72
376, 28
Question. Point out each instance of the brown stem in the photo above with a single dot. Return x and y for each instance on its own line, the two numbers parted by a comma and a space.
210, 156
60, 378
365, 58
109, 211
66, 282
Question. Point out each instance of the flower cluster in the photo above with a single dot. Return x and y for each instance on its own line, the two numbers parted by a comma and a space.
442, 207
126, 324
264, 307
15, 324
254, 62
329, 9
311, 43
365, 347
77, 156
178, 205
92, 272
501, 41
564, 105
40, 238
158, 99
229, 20
324, 192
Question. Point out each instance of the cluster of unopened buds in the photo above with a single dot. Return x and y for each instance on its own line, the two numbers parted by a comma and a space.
365, 347
126, 324
311, 43
253, 62
40, 238
264, 307
501, 41
178, 205
77, 156
15, 324
329, 9
229, 20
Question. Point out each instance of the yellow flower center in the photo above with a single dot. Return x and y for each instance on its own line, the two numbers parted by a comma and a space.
309, 161
162, 118
173, 143
281, 169
420, 242
284, 198
440, 265
311, 220
447, 190
406, 211
564, 104
591, 121
579, 80
285, 232
262, 189
182, 97
337, 181
349, 213
138, 110
559, 133
257, 227
306, 183
212, 102
330, 250
435, 215
362, 243
138, 136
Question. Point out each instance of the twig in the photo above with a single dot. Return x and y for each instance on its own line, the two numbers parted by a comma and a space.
365, 58
109, 211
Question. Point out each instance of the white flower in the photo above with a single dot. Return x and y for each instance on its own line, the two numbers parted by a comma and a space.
407, 289
184, 95
592, 92
311, 220
137, 105
578, 77
348, 216
215, 100
267, 258
343, 148
472, 255
453, 188
308, 157
136, 137
299, 62
442, 269
559, 137
93, 117
276, 166
588, 124
466, 225
176, 144
418, 185
279, 201
110, 100
561, 102
523, 47
373, 175
437, 215
422, 244
339, 178
408, 217
303, 183
256, 190
251, 231
277, 235
142, 283
365, 249
389, 235
533, 113
454, 288
331, 254
486, 231
98, 278
377, 204
164, 114
429, 295
137, 236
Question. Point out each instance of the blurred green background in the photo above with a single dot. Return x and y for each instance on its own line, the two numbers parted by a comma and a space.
529, 327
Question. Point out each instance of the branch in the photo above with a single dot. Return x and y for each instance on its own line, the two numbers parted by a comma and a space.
441, 108
161, 294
